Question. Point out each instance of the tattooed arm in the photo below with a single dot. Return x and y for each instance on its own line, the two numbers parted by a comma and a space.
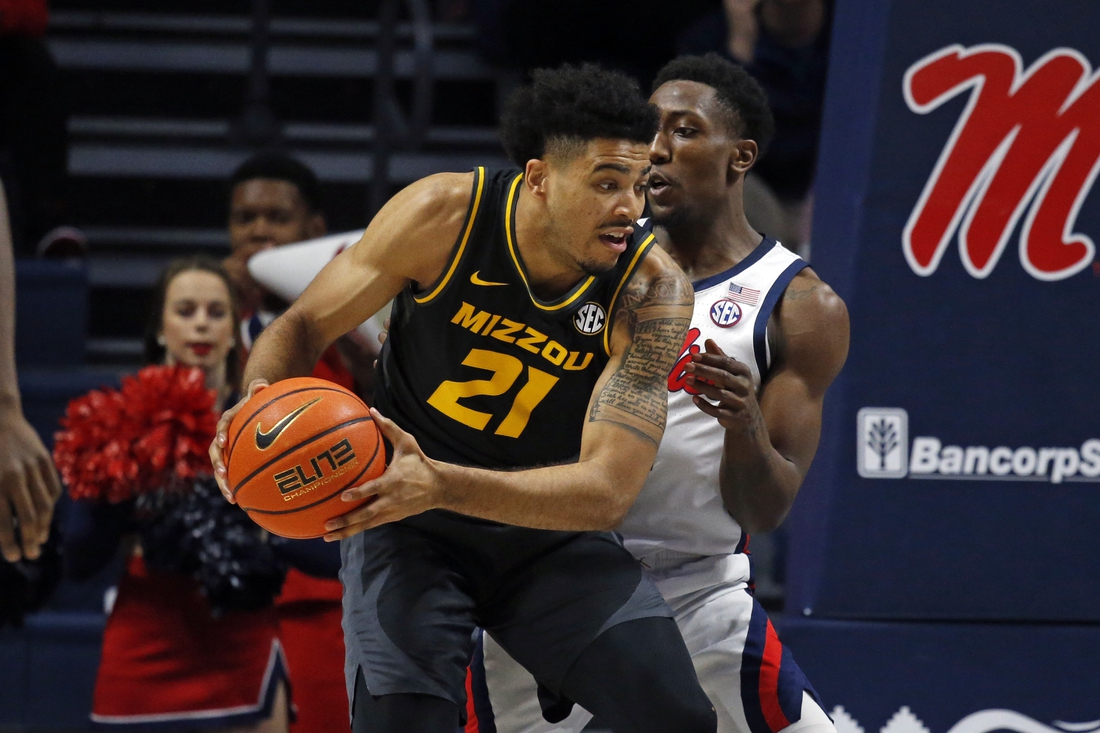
648, 326
626, 418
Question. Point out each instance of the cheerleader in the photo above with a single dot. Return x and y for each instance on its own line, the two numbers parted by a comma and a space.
191, 642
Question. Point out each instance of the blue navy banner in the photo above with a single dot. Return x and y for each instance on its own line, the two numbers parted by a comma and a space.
911, 677
959, 471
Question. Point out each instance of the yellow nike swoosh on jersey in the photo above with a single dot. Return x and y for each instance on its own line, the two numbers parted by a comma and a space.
478, 281
265, 439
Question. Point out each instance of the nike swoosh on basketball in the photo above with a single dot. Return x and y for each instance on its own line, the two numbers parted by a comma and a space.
478, 281
265, 439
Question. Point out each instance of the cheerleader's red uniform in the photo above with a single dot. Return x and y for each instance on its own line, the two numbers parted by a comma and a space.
310, 611
168, 662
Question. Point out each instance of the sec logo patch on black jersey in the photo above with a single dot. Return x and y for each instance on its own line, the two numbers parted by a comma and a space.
590, 318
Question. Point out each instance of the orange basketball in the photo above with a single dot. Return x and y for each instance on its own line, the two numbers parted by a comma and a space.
294, 447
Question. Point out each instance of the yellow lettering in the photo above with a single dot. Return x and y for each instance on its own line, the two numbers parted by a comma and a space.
571, 365
504, 333
468, 318
529, 342
492, 324
506, 369
554, 353
539, 384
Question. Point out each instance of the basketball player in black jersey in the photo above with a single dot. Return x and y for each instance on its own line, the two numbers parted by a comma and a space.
534, 326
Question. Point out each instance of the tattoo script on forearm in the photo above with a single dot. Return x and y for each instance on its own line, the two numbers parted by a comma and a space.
635, 395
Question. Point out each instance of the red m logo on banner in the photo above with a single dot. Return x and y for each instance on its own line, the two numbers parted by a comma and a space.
1027, 141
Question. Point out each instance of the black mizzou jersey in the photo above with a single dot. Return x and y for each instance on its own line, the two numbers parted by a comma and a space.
479, 369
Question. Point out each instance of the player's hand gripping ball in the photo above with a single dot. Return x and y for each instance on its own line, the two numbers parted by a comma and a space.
294, 447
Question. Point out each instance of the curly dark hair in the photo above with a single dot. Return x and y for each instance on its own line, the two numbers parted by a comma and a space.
737, 92
573, 104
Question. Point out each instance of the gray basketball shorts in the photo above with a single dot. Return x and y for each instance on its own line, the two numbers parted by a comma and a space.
415, 590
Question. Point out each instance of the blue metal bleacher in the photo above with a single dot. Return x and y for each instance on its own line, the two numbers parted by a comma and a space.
47, 671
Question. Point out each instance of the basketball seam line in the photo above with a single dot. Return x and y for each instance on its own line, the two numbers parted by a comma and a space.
319, 501
295, 447
233, 443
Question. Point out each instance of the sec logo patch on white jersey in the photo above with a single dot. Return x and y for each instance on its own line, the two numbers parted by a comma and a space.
725, 313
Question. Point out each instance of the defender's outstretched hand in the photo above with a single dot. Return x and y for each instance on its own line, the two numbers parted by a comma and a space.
221, 436
410, 485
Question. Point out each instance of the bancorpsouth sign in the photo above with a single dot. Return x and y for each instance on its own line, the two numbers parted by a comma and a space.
1026, 145
883, 450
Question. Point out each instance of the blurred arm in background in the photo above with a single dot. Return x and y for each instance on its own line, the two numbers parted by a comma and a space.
29, 486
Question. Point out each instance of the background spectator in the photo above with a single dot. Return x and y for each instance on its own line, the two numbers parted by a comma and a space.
275, 200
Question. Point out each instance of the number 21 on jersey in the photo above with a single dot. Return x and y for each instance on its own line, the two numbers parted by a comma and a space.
506, 369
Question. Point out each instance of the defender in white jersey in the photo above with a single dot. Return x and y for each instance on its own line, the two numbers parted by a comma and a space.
767, 338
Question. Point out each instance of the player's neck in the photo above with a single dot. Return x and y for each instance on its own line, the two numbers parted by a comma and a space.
547, 275
705, 246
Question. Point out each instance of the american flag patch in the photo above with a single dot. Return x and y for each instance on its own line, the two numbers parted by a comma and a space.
740, 294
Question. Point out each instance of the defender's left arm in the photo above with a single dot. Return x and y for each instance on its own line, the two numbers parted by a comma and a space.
771, 438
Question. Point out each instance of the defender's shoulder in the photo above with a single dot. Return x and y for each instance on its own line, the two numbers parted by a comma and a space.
813, 326
808, 297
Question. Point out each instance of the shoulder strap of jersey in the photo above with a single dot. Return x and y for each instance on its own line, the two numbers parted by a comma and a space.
472, 211
760, 346
644, 241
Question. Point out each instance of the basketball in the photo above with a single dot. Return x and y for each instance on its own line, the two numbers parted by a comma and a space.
294, 447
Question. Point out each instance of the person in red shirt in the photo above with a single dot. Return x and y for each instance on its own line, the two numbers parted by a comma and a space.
275, 200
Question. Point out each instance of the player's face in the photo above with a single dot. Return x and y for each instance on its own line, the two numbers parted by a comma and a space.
690, 154
593, 199
265, 213
197, 322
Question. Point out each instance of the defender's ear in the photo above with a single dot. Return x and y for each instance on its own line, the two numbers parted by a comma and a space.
743, 156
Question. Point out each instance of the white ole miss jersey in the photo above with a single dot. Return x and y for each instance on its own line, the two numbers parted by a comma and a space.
680, 506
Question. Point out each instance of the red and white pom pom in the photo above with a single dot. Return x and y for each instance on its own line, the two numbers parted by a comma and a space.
153, 433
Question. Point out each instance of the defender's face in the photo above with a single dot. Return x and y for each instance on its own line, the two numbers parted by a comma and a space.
265, 213
594, 198
197, 322
691, 152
